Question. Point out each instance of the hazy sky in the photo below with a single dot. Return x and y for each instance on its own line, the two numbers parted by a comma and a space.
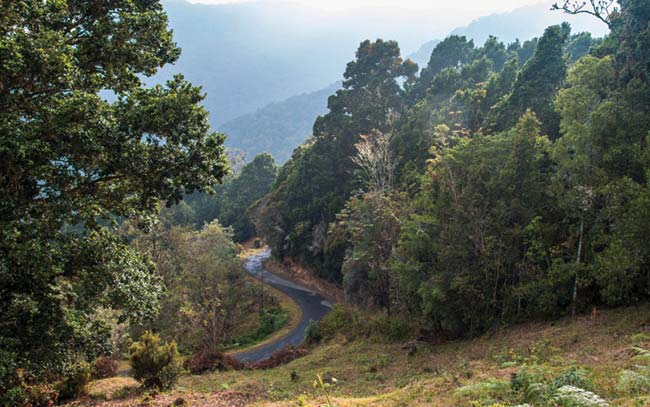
470, 5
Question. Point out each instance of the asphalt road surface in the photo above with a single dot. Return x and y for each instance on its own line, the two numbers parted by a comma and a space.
313, 307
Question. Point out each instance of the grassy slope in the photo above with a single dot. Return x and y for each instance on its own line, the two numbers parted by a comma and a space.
371, 373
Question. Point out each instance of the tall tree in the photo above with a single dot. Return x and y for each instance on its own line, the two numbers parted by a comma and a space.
537, 83
319, 180
71, 161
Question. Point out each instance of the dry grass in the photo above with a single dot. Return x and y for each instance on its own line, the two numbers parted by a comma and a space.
372, 373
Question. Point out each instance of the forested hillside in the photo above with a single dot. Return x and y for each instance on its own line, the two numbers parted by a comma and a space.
279, 127
481, 220
247, 55
502, 183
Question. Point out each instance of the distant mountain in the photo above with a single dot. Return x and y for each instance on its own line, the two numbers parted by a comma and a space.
525, 23
423, 54
252, 58
247, 55
279, 127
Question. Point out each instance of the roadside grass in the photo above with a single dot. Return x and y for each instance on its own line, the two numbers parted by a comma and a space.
478, 372
294, 315
372, 373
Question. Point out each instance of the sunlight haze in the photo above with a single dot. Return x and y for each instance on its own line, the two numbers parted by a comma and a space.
336, 5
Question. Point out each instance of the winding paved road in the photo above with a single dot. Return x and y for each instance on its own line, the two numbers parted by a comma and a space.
313, 307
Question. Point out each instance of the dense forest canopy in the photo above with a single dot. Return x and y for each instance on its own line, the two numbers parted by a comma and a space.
515, 181
74, 163
499, 183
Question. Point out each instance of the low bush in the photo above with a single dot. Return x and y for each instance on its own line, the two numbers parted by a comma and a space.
19, 389
571, 396
392, 329
486, 392
312, 333
529, 384
208, 360
634, 383
154, 363
104, 367
574, 376
75, 381
338, 321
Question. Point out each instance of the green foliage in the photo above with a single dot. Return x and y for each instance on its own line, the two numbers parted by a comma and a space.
75, 381
339, 321
633, 382
520, 185
313, 334
73, 163
154, 363
486, 392
270, 321
536, 85
207, 288
576, 377
231, 200
315, 184
20, 389
391, 329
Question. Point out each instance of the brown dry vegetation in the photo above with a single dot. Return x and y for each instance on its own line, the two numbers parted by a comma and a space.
370, 372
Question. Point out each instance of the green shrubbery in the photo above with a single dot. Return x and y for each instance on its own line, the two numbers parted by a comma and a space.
313, 334
270, 321
18, 389
155, 364
74, 382
351, 324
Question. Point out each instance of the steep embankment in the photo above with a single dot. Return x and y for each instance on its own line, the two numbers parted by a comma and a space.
371, 372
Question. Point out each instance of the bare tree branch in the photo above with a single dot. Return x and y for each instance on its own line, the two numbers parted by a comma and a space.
601, 9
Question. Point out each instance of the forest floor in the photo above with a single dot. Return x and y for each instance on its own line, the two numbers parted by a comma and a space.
371, 372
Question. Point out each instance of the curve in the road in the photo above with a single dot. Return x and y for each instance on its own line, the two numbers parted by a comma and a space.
313, 307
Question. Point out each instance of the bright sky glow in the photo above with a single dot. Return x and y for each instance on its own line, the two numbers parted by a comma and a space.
338, 5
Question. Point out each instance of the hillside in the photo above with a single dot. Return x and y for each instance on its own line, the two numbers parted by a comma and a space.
479, 372
247, 55
525, 23
279, 127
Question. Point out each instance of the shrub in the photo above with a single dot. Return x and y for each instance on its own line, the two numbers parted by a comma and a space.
20, 390
338, 321
312, 333
576, 377
571, 396
633, 383
529, 383
155, 364
487, 391
392, 329
641, 355
208, 360
75, 381
281, 357
104, 367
